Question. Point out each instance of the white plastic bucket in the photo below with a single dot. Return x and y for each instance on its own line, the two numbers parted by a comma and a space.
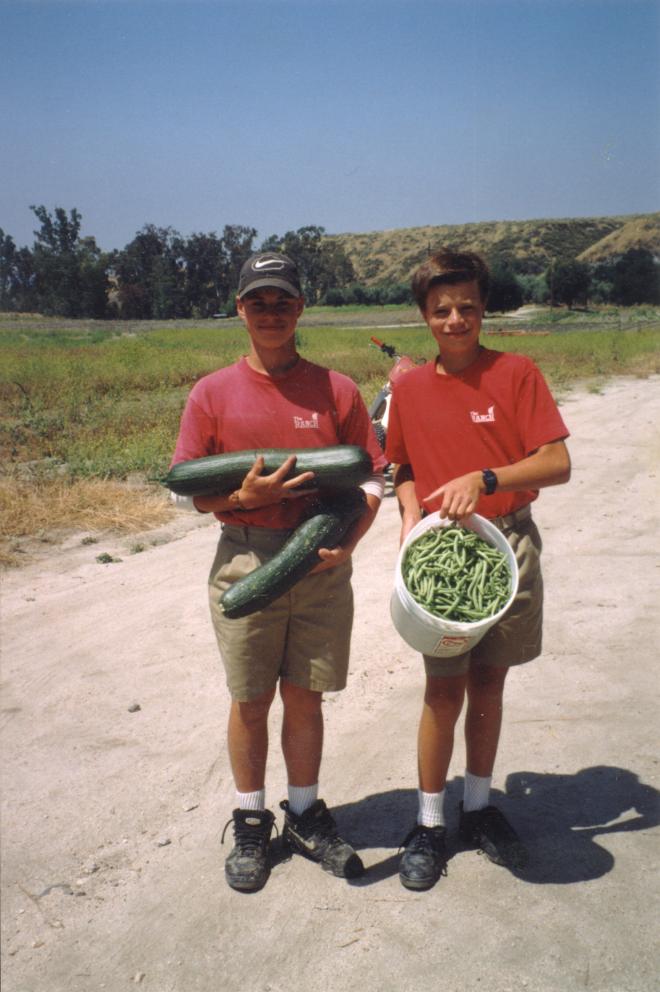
433, 635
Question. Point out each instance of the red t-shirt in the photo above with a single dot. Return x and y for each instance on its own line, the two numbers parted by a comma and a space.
239, 409
495, 412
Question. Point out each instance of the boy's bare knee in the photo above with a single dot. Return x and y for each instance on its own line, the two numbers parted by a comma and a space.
486, 679
445, 694
254, 710
299, 699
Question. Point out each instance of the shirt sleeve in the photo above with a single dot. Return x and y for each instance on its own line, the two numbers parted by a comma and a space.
395, 448
197, 433
538, 414
356, 428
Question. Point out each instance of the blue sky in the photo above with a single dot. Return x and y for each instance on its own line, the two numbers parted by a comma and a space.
359, 116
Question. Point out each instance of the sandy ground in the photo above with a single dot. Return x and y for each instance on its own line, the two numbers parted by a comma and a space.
112, 863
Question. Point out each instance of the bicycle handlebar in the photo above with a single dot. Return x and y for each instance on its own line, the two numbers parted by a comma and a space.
388, 349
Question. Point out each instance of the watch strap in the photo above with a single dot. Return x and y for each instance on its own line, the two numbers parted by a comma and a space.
490, 481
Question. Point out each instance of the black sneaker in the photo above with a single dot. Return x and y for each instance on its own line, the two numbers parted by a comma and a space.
247, 868
489, 830
314, 834
425, 857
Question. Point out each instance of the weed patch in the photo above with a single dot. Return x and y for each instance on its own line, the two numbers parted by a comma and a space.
28, 508
96, 402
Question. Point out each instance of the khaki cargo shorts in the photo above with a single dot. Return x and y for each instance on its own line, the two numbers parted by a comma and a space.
517, 638
303, 636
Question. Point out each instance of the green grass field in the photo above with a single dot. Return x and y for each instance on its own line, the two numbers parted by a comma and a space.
88, 404
104, 398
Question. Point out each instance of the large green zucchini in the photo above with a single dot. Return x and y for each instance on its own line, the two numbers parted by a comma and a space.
298, 556
339, 467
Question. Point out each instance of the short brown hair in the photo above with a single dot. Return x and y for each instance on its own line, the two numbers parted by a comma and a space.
449, 267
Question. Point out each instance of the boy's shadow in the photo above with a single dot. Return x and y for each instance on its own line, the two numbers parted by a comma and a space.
558, 816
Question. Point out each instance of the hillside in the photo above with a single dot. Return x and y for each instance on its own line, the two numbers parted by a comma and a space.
637, 232
391, 256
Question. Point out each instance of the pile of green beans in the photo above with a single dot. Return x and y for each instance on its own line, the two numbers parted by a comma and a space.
456, 575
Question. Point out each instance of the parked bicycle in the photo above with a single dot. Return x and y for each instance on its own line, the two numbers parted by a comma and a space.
379, 410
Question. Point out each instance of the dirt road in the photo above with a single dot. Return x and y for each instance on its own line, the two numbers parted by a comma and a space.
112, 865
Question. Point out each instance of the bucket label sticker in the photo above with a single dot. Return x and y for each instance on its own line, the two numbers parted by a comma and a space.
453, 641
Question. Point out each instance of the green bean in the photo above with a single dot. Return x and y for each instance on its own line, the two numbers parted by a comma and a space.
457, 575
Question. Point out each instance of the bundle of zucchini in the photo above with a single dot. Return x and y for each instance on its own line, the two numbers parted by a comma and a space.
296, 558
336, 468
338, 471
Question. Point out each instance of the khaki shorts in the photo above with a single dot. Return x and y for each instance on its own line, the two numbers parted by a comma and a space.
517, 638
303, 636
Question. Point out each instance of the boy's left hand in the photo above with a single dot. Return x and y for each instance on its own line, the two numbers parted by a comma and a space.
331, 557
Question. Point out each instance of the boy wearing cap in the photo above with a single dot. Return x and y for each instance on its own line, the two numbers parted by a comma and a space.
475, 431
274, 398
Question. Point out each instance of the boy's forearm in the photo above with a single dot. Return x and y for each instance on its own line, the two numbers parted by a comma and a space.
213, 504
363, 523
404, 487
549, 466
406, 494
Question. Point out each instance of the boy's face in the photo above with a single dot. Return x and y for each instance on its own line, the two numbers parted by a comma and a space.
454, 314
270, 316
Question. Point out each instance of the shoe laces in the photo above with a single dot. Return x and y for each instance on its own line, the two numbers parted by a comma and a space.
320, 827
421, 838
249, 837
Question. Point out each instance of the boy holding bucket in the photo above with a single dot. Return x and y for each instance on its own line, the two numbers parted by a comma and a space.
476, 431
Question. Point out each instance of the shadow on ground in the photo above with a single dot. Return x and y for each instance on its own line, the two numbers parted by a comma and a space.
558, 816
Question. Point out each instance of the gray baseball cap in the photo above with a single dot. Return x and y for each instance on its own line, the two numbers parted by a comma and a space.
269, 269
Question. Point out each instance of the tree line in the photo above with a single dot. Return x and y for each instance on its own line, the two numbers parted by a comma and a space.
162, 275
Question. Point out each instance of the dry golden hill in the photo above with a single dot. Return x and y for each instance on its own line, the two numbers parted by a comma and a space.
391, 256
637, 232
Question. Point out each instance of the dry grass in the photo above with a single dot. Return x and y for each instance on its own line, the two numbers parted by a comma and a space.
53, 506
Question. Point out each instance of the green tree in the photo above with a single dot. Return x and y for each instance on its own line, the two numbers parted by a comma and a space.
396, 292
534, 288
70, 272
205, 264
323, 263
150, 275
237, 246
569, 282
94, 282
7, 271
505, 291
636, 278
334, 298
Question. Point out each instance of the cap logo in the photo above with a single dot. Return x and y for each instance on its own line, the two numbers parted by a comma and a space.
268, 263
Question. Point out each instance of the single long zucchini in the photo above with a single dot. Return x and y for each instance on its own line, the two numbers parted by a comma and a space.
339, 467
298, 557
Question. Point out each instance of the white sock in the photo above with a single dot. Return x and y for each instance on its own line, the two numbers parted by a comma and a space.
251, 800
476, 792
301, 797
431, 808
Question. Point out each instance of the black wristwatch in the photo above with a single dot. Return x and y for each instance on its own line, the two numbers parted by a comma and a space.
490, 481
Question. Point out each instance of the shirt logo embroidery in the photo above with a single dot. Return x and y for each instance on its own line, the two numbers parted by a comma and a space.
483, 418
301, 423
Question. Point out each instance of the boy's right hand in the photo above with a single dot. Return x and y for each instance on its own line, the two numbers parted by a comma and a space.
262, 490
